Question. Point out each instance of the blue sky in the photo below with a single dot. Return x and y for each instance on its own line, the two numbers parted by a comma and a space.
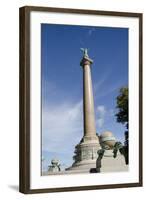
62, 121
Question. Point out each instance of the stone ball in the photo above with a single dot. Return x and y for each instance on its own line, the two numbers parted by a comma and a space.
107, 140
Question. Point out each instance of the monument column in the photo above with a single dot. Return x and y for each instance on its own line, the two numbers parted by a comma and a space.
88, 102
85, 153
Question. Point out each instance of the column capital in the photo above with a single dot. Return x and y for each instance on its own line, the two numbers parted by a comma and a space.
86, 61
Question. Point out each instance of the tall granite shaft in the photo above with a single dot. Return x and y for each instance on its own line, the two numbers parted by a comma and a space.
86, 151
88, 101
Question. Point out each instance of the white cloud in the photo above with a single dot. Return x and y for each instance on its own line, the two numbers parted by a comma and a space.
101, 110
91, 31
109, 90
100, 90
100, 113
103, 115
62, 127
100, 122
100, 83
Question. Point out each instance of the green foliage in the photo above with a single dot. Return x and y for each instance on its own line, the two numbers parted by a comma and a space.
122, 117
122, 106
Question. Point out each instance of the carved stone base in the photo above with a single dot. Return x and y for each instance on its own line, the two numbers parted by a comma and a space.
85, 154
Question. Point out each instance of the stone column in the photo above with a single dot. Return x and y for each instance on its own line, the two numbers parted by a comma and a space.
88, 101
85, 153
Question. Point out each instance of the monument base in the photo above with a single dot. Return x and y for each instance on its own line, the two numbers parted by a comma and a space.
86, 154
85, 166
111, 164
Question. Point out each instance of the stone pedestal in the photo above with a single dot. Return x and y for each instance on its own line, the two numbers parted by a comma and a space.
111, 164
85, 155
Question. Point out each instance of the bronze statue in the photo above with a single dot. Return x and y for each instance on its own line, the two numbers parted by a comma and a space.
85, 52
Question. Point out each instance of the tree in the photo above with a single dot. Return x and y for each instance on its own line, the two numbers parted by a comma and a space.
122, 106
122, 117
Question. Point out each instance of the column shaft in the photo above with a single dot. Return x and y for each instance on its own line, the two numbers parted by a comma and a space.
88, 103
